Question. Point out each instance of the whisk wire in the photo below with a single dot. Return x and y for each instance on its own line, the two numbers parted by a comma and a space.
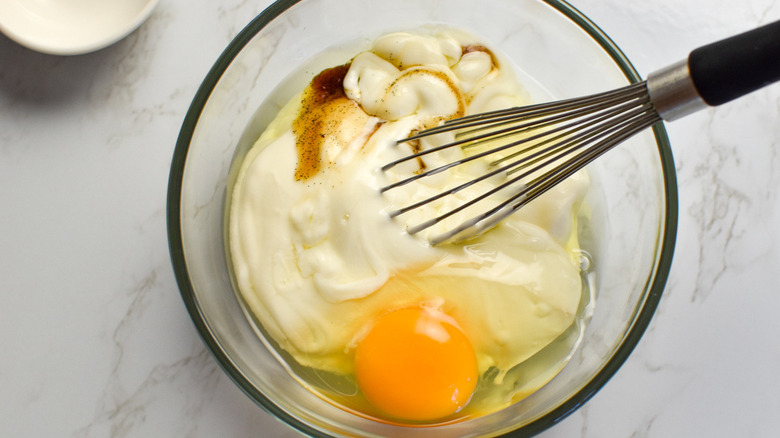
535, 110
558, 139
589, 124
537, 186
574, 140
542, 159
566, 130
558, 112
553, 116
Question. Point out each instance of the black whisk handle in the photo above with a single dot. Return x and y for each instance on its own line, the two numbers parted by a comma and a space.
730, 68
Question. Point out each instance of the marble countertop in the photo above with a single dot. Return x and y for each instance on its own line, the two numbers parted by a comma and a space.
96, 341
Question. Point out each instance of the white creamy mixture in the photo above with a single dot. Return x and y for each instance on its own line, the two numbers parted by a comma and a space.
318, 259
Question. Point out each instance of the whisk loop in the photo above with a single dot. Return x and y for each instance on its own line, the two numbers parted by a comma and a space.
548, 143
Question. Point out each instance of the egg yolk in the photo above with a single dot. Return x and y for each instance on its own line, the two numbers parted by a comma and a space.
415, 364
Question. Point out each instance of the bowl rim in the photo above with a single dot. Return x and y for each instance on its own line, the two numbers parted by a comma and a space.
657, 282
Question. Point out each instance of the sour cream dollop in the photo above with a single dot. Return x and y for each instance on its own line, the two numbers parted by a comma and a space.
315, 255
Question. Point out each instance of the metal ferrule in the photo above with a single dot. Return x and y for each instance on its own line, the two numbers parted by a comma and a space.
673, 93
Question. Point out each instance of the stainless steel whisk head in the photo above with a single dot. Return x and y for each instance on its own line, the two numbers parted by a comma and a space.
538, 146
546, 144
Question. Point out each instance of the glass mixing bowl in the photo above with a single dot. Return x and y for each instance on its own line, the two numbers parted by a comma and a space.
633, 200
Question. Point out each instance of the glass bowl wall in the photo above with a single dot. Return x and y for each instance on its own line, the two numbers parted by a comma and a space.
632, 224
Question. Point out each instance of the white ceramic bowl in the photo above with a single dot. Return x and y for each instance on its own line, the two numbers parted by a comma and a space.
71, 27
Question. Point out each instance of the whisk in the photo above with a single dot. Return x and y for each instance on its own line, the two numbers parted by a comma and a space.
558, 139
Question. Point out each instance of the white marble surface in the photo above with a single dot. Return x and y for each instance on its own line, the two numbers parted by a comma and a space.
96, 341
